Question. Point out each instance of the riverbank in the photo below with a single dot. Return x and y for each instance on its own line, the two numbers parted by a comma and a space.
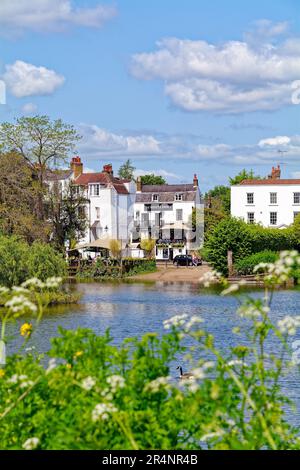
171, 273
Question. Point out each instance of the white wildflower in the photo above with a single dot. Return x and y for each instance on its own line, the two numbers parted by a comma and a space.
115, 382
158, 384
2, 353
88, 383
53, 282
195, 319
232, 288
31, 443
102, 411
13, 379
19, 303
252, 311
176, 321
27, 383
210, 277
4, 290
212, 435
34, 282
235, 362
20, 290
288, 325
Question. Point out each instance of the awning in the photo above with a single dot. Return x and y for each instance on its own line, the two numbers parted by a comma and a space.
100, 243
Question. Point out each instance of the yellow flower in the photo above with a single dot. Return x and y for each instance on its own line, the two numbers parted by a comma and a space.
2, 373
69, 366
26, 330
77, 354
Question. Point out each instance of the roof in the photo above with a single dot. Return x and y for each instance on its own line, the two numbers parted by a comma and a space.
270, 181
167, 188
57, 175
102, 178
166, 192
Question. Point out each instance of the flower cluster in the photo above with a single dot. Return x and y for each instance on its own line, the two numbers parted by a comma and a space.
19, 304
176, 321
31, 443
288, 325
211, 277
21, 380
88, 383
102, 411
253, 311
36, 284
161, 383
280, 271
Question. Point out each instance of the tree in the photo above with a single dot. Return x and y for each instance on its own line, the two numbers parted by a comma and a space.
66, 212
152, 179
243, 175
43, 144
115, 248
220, 194
19, 193
148, 245
126, 171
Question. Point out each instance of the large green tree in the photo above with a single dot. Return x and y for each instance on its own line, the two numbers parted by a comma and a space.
243, 175
42, 143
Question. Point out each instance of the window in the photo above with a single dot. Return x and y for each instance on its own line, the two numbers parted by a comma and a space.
137, 215
273, 218
296, 215
250, 198
154, 197
178, 197
179, 214
97, 213
145, 220
273, 198
250, 217
95, 189
296, 198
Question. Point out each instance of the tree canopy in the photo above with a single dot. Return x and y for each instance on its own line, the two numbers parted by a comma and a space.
126, 171
153, 179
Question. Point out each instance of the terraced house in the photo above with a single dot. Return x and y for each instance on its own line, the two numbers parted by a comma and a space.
272, 202
164, 213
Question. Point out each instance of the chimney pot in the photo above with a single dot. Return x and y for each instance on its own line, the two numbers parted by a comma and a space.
195, 181
76, 166
139, 185
108, 169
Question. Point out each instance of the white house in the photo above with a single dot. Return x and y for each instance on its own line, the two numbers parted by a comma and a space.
109, 201
164, 213
272, 202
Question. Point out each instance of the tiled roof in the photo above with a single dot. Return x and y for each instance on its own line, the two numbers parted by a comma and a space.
103, 178
269, 182
167, 188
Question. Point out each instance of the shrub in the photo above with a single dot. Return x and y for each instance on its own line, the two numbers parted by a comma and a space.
246, 265
19, 261
43, 262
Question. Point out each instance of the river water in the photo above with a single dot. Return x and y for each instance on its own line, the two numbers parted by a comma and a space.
132, 309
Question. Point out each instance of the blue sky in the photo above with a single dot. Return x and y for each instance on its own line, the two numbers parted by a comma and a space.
177, 87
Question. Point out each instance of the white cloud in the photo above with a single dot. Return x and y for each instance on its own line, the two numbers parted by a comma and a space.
29, 108
23, 79
98, 141
232, 77
275, 141
17, 16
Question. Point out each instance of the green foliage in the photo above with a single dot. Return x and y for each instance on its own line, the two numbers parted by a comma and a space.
114, 269
245, 239
246, 265
243, 175
126, 171
148, 245
153, 179
19, 261
221, 194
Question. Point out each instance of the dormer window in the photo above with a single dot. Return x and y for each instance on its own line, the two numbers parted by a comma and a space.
155, 197
94, 189
178, 197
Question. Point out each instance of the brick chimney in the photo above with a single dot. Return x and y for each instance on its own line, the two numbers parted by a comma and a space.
276, 173
139, 184
76, 166
108, 169
195, 181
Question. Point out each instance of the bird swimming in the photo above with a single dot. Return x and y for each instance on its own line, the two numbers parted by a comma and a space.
186, 375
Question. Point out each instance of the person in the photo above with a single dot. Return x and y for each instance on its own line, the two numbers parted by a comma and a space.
194, 260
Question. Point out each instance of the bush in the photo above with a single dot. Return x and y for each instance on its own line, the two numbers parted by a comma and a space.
19, 261
245, 239
246, 265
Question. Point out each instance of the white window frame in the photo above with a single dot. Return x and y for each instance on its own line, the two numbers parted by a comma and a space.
273, 198
178, 197
155, 197
250, 196
297, 196
93, 191
249, 219
272, 214
181, 212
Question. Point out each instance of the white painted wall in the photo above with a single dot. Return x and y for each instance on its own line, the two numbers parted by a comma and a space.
262, 207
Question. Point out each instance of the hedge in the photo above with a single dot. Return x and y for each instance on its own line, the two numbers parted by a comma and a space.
246, 265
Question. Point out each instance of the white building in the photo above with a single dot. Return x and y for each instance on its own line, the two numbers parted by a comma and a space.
164, 213
109, 201
271, 202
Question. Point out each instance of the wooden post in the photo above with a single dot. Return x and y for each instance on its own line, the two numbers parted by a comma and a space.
230, 263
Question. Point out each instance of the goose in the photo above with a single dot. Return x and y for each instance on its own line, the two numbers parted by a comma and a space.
186, 375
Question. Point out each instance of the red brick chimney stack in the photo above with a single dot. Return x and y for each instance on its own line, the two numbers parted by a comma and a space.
195, 181
139, 185
108, 169
276, 173
76, 166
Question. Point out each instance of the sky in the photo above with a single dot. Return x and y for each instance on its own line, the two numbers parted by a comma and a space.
178, 87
